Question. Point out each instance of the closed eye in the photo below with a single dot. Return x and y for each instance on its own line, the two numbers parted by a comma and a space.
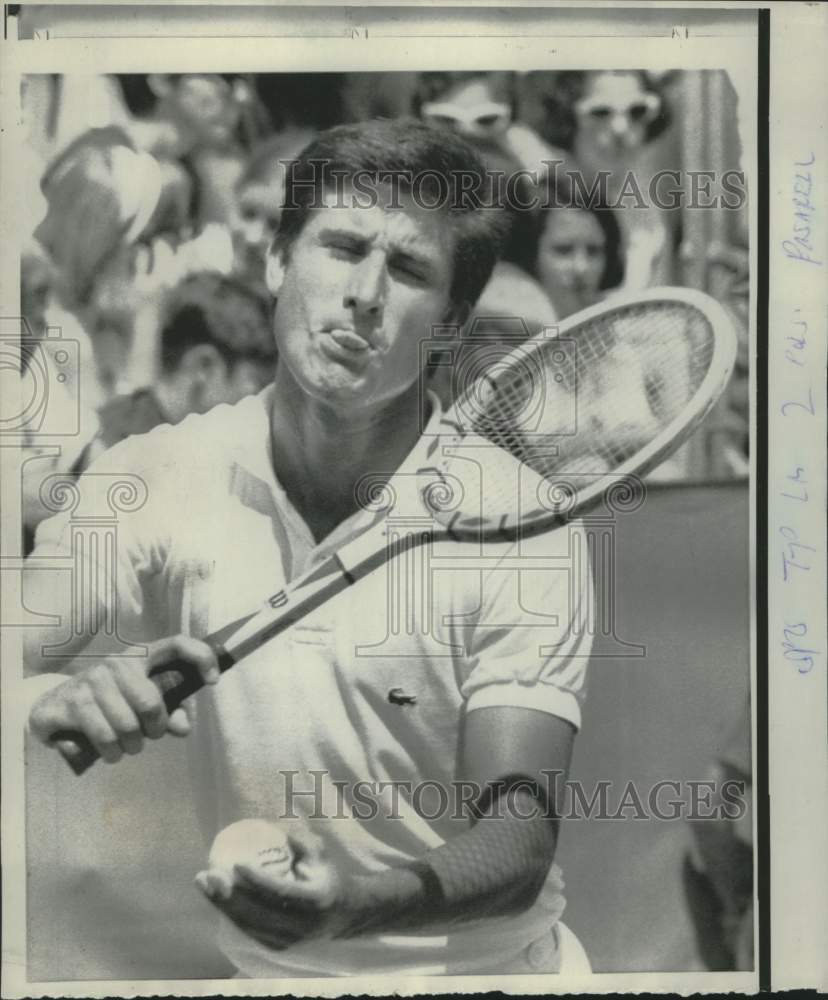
345, 248
410, 270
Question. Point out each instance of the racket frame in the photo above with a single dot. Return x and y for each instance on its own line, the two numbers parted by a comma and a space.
639, 464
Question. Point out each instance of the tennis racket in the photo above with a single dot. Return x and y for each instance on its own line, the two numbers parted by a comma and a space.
540, 435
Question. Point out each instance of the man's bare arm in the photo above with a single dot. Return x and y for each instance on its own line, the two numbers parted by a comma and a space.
500, 864
496, 867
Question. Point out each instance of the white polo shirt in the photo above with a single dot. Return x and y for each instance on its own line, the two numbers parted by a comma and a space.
354, 713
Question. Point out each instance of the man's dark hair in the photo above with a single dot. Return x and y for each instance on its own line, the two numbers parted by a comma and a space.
267, 157
208, 308
406, 148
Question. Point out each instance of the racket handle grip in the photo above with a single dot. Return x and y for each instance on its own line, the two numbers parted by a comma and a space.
176, 681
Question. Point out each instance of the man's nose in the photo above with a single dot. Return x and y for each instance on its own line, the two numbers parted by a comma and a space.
365, 290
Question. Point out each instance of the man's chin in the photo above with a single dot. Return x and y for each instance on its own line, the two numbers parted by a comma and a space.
340, 390
341, 378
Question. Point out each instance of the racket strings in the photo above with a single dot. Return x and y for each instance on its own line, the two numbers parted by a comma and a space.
590, 401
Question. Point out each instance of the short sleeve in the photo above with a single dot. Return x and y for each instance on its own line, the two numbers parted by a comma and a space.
531, 642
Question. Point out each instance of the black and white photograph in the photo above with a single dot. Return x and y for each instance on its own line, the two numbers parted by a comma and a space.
381, 477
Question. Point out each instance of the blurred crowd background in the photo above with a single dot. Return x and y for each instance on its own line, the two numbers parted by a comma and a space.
154, 197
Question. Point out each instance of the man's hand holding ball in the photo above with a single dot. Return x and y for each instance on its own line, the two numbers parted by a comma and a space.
273, 882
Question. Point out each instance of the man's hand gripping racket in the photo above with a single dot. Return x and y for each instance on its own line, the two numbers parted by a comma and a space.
643, 372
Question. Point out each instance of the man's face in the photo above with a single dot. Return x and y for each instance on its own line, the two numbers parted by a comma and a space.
362, 287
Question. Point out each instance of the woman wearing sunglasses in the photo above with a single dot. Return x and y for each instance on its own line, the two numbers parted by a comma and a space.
484, 107
604, 117
481, 107
606, 121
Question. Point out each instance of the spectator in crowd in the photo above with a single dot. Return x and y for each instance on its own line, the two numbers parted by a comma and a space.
120, 239
259, 198
36, 283
178, 113
485, 108
216, 347
603, 117
480, 106
39, 363
198, 125
575, 252
718, 868
101, 195
605, 121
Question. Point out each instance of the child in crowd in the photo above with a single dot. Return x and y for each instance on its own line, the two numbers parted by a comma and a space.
259, 197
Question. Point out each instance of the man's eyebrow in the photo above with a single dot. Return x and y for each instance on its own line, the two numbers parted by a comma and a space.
402, 250
413, 248
343, 230
412, 256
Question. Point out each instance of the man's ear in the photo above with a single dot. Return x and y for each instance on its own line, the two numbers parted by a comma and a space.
274, 270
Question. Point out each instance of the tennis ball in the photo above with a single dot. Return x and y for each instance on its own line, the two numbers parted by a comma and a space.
255, 843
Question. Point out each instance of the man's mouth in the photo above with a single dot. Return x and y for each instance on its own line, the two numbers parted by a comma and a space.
346, 348
348, 340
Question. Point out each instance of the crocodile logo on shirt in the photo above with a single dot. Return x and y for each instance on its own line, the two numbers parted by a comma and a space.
397, 696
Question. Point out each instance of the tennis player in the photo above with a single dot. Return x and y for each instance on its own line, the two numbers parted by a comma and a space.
405, 735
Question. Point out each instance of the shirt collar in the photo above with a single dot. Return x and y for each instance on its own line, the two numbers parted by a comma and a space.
253, 461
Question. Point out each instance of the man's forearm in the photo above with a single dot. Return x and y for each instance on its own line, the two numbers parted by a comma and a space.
495, 868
